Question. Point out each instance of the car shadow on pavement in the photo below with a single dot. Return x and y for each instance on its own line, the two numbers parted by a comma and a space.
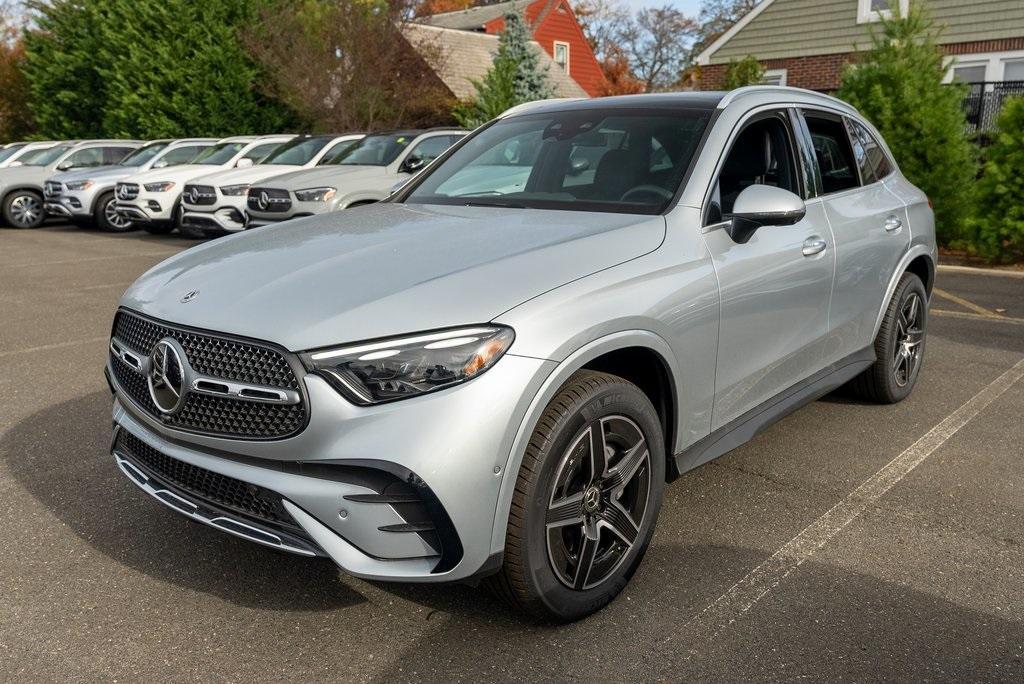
822, 623
60, 456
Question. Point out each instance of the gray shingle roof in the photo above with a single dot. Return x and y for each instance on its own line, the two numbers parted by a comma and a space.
474, 18
464, 55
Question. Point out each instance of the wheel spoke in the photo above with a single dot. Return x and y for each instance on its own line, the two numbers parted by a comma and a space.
616, 519
625, 469
567, 511
588, 551
598, 450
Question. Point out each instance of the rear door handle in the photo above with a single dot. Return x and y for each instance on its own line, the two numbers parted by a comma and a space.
814, 245
892, 224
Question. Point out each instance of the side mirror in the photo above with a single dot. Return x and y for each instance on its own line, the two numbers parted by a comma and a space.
763, 205
159, 164
412, 164
16, 163
244, 163
64, 166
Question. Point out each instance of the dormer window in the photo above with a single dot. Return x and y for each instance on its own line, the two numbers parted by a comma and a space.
873, 10
562, 56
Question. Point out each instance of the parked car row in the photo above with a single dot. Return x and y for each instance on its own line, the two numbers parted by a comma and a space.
205, 187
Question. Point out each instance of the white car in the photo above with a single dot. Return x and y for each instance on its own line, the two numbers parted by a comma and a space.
86, 196
215, 204
13, 154
152, 200
365, 174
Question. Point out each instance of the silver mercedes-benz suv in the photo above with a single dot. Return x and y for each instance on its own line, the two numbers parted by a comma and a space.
494, 373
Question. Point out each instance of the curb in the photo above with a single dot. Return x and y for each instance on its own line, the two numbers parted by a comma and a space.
974, 270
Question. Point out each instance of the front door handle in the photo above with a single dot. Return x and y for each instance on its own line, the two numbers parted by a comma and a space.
814, 245
892, 224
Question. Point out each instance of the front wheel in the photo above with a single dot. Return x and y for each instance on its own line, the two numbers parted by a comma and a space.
899, 346
106, 217
24, 209
586, 500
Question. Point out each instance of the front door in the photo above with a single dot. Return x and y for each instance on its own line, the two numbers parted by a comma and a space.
776, 288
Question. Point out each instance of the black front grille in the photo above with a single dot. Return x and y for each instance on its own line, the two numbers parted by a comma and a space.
271, 200
127, 191
199, 195
230, 359
220, 490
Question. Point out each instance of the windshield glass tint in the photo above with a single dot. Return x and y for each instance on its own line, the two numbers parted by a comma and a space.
619, 160
296, 152
44, 156
375, 150
219, 154
8, 152
143, 154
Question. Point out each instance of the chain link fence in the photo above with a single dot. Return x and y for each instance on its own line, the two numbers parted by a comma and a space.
985, 100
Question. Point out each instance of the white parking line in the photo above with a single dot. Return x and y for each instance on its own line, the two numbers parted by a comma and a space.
743, 595
999, 272
57, 345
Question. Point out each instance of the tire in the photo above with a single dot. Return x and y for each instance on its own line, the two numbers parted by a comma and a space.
191, 232
23, 209
105, 218
158, 228
557, 500
899, 346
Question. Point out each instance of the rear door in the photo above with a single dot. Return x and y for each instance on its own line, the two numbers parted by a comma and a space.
775, 289
868, 221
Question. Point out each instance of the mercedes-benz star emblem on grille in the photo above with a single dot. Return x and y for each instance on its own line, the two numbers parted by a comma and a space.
189, 296
193, 195
166, 377
263, 201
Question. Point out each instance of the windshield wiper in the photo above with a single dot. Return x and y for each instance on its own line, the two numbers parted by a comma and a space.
499, 203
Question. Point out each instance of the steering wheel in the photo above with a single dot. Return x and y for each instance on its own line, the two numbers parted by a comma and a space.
640, 189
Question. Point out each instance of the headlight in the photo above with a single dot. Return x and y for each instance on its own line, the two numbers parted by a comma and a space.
404, 367
159, 187
79, 185
315, 194
234, 190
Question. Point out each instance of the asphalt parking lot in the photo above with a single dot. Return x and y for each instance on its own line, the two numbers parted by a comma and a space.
848, 542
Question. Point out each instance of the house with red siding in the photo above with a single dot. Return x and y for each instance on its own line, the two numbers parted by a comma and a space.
554, 27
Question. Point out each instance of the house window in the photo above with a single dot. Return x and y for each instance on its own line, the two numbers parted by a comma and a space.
562, 56
969, 73
873, 10
988, 67
1013, 70
776, 77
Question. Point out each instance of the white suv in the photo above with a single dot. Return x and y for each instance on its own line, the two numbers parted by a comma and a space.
152, 199
215, 204
365, 174
86, 196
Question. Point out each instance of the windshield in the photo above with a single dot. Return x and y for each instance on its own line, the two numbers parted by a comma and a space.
296, 152
616, 160
375, 150
44, 156
143, 154
8, 152
219, 154
339, 150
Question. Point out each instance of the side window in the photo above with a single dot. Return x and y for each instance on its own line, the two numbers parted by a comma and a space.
871, 158
432, 148
762, 154
92, 156
181, 155
260, 152
112, 155
832, 148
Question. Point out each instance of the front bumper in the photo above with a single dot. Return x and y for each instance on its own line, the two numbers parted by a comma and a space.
227, 215
298, 210
357, 483
70, 204
149, 207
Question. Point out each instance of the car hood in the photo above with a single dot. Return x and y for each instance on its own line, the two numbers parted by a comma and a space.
181, 173
33, 175
385, 269
97, 173
327, 175
253, 174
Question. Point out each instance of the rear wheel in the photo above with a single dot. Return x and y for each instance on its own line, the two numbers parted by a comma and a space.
24, 209
586, 500
899, 346
106, 217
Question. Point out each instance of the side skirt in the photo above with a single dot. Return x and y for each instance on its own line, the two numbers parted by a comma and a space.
746, 427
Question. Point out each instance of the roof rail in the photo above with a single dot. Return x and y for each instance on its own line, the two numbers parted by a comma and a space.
527, 106
734, 95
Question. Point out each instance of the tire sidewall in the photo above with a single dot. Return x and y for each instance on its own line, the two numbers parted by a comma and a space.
9, 200
910, 283
569, 604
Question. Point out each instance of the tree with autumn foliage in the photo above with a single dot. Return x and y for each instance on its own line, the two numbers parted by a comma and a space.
426, 8
15, 117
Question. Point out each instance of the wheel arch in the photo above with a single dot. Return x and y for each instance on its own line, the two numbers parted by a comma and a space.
608, 352
919, 260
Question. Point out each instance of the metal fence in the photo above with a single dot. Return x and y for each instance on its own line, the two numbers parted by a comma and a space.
985, 100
